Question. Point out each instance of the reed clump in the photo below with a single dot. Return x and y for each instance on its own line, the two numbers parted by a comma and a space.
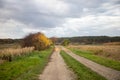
8, 54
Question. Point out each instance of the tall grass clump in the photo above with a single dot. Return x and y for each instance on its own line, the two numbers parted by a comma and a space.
8, 54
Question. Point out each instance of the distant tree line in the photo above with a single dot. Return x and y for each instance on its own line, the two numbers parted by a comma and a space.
37, 40
80, 40
90, 39
10, 41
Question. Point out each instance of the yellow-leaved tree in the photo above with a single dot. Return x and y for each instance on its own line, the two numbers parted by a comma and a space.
38, 40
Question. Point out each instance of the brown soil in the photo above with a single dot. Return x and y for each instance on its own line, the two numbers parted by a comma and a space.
56, 68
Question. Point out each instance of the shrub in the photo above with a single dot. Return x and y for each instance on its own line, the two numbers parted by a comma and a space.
38, 40
65, 42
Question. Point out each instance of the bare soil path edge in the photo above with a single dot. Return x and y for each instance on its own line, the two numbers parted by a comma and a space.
56, 68
108, 73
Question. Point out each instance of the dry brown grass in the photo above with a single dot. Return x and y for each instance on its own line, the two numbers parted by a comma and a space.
7, 54
112, 43
110, 51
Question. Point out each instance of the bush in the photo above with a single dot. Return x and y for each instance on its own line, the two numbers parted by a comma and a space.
38, 40
65, 42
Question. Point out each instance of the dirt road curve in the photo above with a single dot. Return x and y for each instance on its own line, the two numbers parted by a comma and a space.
109, 73
56, 69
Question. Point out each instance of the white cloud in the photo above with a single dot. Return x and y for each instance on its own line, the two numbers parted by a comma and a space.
29, 30
110, 9
90, 25
87, 25
59, 17
86, 10
52, 6
11, 29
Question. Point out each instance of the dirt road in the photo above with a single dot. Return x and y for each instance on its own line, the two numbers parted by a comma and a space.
56, 68
108, 73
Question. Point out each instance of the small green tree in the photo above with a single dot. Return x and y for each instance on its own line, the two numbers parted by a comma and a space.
65, 42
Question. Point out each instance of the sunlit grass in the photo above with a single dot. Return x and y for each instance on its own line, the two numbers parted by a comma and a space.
25, 67
82, 72
98, 59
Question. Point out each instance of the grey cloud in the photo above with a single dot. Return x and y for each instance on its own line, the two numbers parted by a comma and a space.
24, 9
27, 13
115, 1
77, 6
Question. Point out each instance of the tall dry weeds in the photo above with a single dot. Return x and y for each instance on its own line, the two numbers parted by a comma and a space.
110, 51
7, 54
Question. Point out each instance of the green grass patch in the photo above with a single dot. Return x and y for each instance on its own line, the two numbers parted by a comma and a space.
25, 67
82, 72
98, 59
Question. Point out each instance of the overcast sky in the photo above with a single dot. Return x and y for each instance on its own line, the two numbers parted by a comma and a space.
59, 18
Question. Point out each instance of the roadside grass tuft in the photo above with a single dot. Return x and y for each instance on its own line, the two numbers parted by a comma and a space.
25, 67
82, 72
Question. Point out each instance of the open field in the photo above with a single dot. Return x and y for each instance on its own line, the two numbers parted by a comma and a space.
13, 45
29, 64
112, 43
95, 57
82, 72
107, 51
25, 67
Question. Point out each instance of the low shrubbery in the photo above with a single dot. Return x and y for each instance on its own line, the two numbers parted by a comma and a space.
66, 42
